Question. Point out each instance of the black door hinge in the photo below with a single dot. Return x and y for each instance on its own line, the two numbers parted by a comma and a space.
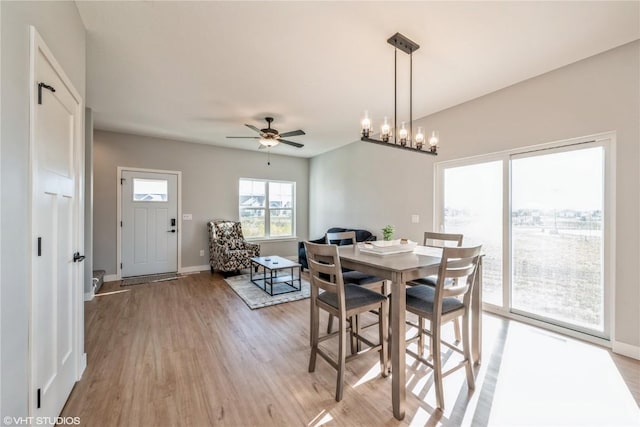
39, 246
122, 180
38, 398
121, 224
46, 86
120, 266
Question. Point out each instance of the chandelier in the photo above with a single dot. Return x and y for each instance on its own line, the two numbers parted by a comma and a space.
403, 138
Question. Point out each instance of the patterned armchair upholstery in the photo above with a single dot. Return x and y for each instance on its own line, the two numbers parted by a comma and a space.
228, 251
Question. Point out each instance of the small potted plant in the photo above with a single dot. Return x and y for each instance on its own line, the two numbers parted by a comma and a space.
387, 232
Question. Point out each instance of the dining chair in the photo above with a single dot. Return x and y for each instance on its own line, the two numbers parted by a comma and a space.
439, 240
441, 304
355, 277
344, 301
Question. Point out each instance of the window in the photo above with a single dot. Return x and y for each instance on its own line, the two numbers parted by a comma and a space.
267, 208
541, 216
150, 190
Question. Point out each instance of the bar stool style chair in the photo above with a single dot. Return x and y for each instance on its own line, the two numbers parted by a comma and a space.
344, 301
443, 304
355, 277
440, 240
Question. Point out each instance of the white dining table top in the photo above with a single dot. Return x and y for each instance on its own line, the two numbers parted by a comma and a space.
420, 257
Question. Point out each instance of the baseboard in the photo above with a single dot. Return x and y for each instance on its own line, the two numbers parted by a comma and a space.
88, 296
83, 365
624, 349
194, 269
111, 278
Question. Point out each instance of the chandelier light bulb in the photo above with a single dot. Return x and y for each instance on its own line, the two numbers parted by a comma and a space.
385, 130
366, 125
403, 135
419, 138
433, 141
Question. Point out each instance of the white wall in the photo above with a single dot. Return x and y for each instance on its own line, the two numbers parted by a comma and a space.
209, 189
369, 186
60, 26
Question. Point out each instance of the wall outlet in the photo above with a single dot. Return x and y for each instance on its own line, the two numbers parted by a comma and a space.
415, 219
201, 252
187, 217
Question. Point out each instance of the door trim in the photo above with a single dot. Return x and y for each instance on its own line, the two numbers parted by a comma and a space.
37, 44
119, 214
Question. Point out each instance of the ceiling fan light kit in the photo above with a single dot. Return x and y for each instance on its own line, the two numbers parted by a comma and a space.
403, 139
270, 137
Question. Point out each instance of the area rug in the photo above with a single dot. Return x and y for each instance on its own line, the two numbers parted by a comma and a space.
139, 280
255, 297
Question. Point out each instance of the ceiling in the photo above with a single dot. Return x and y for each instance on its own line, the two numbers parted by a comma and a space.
197, 71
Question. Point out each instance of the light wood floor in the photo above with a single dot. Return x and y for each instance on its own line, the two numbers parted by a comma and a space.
191, 353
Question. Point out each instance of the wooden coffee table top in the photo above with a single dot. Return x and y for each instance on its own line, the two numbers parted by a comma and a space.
274, 262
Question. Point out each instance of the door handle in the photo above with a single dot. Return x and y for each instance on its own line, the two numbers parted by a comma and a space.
171, 231
77, 257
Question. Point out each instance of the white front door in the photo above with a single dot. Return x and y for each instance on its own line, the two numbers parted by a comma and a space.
57, 227
149, 223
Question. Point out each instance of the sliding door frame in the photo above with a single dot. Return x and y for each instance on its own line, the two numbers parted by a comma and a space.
606, 140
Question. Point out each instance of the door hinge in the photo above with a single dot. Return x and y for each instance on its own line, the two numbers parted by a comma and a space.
46, 86
39, 246
38, 398
120, 266
122, 180
120, 223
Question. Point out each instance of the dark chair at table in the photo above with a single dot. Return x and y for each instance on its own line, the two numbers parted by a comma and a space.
344, 301
441, 304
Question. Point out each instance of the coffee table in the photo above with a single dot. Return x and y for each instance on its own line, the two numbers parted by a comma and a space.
272, 268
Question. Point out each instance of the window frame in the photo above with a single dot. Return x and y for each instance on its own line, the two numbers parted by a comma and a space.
267, 210
605, 140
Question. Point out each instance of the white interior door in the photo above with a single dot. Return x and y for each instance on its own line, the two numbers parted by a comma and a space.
57, 226
149, 223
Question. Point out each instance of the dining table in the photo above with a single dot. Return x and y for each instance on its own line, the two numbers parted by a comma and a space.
400, 269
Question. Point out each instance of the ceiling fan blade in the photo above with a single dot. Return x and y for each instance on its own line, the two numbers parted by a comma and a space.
253, 128
292, 133
294, 144
245, 137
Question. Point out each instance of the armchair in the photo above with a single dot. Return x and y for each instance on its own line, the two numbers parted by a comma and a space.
228, 250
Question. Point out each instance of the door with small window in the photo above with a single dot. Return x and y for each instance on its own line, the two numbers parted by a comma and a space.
149, 223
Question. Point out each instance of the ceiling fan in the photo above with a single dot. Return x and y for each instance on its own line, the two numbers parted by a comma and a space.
270, 137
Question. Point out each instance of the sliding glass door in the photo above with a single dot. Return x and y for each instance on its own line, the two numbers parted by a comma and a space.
541, 216
473, 208
557, 204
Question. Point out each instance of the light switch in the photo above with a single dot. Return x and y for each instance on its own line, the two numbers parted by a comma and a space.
415, 219
187, 217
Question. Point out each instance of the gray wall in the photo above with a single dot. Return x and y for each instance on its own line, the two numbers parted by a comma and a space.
369, 186
88, 201
209, 189
60, 26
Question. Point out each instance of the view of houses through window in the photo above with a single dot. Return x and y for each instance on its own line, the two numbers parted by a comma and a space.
267, 208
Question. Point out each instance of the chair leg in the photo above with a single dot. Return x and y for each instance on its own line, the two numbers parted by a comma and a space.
437, 363
466, 348
420, 336
341, 358
358, 331
353, 321
315, 331
456, 329
383, 323
330, 324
